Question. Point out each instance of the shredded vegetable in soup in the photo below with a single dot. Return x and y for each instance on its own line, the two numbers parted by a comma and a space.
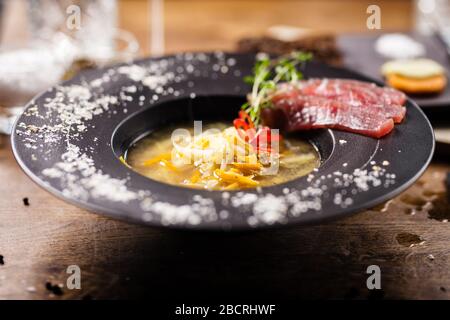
221, 157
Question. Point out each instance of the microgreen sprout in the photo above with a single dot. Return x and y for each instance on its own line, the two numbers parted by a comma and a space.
267, 74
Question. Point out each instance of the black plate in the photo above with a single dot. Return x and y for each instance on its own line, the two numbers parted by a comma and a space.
70, 137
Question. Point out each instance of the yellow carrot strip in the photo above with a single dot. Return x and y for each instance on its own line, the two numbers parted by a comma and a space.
233, 177
157, 159
195, 176
247, 166
231, 186
235, 170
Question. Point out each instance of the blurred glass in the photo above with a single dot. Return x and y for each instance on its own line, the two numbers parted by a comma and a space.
91, 23
45, 41
432, 15
433, 18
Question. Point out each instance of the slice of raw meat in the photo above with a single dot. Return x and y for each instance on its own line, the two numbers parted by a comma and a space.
365, 91
294, 111
356, 93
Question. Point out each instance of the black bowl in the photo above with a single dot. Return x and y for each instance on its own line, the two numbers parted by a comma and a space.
70, 139
182, 111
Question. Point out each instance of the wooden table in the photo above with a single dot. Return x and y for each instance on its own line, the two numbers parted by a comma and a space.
408, 238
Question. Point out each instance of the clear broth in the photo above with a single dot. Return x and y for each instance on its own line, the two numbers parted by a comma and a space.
298, 158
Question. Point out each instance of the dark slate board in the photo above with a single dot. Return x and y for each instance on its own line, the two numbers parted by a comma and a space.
360, 55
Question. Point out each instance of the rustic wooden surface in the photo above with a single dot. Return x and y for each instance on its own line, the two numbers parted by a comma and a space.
408, 238
196, 25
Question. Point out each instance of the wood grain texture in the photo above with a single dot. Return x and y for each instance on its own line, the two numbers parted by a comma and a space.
201, 25
120, 260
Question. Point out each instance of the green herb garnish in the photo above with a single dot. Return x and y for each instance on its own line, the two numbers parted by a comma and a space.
267, 74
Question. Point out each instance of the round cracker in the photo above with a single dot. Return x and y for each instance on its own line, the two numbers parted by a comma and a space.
428, 85
413, 68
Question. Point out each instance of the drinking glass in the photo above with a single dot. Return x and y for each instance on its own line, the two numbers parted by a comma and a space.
42, 41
